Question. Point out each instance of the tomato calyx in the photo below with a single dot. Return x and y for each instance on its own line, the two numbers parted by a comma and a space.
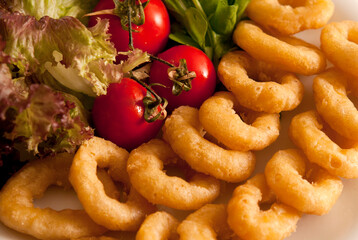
127, 10
151, 104
130, 12
154, 105
180, 75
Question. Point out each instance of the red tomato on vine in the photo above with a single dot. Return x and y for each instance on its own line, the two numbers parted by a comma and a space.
118, 116
202, 86
152, 36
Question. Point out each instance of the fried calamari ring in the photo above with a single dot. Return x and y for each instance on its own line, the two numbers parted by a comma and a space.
237, 71
17, 210
96, 238
158, 226
109, 187
306, 132
103, 209
306, 187
145, 169
249, 222
339, 41
288, 17
206, 223
218, 117
183, 132
333, 104
352, 83
287, 53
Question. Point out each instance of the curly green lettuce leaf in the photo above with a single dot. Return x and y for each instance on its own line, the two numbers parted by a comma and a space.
37, 118
48, 121
54, 8
64, 47
8, 92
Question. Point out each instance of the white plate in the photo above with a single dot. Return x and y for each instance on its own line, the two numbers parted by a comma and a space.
342, 221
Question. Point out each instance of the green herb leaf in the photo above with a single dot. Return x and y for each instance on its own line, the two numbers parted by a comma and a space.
180, 35
224, 19
196, 25
209, 24
209, 6
178, 8
242, 6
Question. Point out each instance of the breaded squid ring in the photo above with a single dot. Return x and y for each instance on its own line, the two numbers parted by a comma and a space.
96, 238
158, 226
288, 17
218, 117
206, 223
103, 209
182, 130
237, 71
352, 83
17, 210
306, 187
333, 104
287, 53
110, 188
339, 41
145, 169
249, 222
306, 133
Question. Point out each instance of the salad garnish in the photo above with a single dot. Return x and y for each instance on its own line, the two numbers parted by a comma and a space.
206, 24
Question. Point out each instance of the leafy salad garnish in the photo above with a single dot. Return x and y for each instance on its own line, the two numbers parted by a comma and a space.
51, 71
55, 8
64, 47
206, 24
39, 119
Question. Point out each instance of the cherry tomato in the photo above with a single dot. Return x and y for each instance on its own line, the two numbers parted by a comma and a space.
151, 37
118, 115
203, 85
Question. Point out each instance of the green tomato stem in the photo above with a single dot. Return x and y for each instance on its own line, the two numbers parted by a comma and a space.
131, 47
161, 60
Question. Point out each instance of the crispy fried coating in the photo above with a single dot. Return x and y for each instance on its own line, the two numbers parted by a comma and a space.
247, 219
287, 53
145, 168
17, 210
219, 118
339, 42
259, 86
331, 90
183, 131
206, 223
304, 186
103, 209
288, 17
158, 226
306, 132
